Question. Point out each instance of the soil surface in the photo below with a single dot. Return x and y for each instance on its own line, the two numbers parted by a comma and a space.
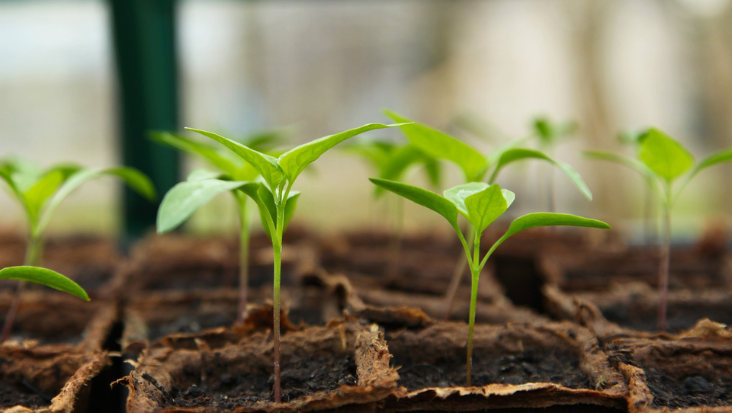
532, 366
688, 391
300, 377
680, 316
13, 394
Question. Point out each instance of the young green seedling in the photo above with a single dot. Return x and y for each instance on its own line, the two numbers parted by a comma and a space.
274, 197
662, 160
41, 192
475, 167
201, 186
481, 204
392, 161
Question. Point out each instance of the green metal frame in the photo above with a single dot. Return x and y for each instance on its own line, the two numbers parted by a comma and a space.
147, 93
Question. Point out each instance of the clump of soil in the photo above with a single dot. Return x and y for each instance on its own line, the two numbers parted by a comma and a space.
688, 391
300, 377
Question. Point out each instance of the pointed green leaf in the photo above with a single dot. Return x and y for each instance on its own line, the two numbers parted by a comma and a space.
513, 155
217, 159
487, 205
37, 195
666, 157
266, 165
294, 161
632, 163
7, 177
132, 177
422, 197
712, 160
45, 277
546, 219
186, 197
440, 145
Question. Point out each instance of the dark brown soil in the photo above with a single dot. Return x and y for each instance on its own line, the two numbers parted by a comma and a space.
300, 377
436, 357
532, 366
25, 394
680, 316
688, 391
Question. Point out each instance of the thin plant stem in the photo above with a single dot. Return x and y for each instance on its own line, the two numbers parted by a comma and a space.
665, 257
396, 238
475, 272
648, 205
33, 256
457, 277
243, 257
277, 248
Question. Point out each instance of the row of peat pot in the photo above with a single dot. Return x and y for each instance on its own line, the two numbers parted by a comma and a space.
564, 324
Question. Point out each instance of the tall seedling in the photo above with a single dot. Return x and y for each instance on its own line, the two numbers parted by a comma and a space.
41, 192
201, 186
392, 161
275, 200
481, 204
662, 161
475, 166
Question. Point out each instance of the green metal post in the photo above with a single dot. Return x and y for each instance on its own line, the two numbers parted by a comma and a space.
147, 99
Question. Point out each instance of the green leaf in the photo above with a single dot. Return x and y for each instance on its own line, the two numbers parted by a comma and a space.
210, 154
712, 160
7, 175
487, 205
267, 206
38, 194
457, 195
132, 177
45, 277
294, 161
513, 155
631, 163
546, 219
440, 145
422, 197
666, 157
264, 164
186, 197
199, 174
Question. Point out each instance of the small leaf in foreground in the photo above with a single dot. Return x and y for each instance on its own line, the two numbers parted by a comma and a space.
45, 277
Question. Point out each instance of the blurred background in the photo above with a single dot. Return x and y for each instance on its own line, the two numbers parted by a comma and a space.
67, 82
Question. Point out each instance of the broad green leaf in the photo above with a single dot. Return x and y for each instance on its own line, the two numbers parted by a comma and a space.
266, 165
513, 155
184, 144
45, 277
666, 157
7, 177
422, 197
294, 161
186, 197
201, 173
546, 219
24, 173
457, 195
487, 205
632, 163
440, 145
132, 177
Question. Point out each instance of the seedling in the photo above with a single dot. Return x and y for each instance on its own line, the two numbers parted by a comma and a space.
475, 167
634, 139
662, 160
481, 204
40, 193
43, 276
201, 186
392, 161
276, 200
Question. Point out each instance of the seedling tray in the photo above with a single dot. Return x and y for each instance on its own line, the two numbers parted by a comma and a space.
514, 366
48, 379
343, 365
691, 373
55, 318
